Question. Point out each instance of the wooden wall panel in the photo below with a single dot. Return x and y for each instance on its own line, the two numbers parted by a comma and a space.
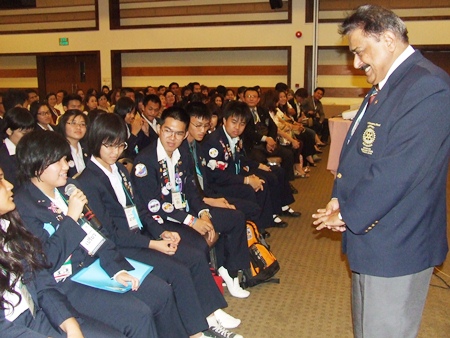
131, 14
49, 15
229, 67
417, 10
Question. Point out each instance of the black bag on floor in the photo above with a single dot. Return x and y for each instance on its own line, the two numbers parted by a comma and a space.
263, 263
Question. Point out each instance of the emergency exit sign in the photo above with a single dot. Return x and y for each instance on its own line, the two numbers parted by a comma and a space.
63, 41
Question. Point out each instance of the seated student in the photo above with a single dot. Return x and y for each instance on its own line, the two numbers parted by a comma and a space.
148, 310
225, 146
42, 115
73, 126
243, 198
107, 185
31, 305
126, 109
288, 131
229, 220
16, 123
148, 133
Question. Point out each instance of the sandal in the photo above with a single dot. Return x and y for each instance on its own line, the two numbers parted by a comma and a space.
297, 174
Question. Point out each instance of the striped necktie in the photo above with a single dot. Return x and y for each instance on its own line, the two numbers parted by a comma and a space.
373, 96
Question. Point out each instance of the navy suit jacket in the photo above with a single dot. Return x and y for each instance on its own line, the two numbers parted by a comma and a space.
215, 150
149, 183
391, 180
8, 164
102, 199
46, 295
42, 218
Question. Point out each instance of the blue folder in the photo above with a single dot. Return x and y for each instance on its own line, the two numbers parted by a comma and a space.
94, 276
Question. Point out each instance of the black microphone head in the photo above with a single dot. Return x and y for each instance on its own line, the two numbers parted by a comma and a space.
69, 189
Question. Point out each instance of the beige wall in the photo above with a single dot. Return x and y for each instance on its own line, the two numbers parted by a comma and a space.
422, 32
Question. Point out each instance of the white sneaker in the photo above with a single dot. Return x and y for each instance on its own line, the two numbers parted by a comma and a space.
232, 284
226, 320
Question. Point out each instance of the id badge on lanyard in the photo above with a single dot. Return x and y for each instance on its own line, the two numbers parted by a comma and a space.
93, 240
134, 222
178, 200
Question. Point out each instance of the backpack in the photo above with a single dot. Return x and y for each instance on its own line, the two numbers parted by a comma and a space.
263, 263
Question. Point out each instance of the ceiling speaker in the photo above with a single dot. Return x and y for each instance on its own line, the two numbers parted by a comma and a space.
274, 4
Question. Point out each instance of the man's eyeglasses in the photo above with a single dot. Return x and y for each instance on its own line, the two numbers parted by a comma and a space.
44, 113
169, 133
202, 126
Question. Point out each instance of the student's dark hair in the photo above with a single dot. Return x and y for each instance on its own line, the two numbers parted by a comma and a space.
161, 87
251, 89
71, 114
198, 109
281, 87
125, 90
177, 113
374, 20
106, 129
50, 94
124, 106
302, 92
105, 86
173, 83
18, 118
153, 98
87, 97
23, 257
222, 90
91, 91
71, 97
237, 109
38, 150
62, 91
14, 97
320, 88
100, 94
241, 90
29, 91
269, 100
35, 106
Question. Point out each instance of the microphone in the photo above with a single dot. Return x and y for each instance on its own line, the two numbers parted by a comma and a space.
87, 212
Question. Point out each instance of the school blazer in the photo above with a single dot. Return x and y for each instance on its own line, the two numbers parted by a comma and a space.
61, 235
148, 182
216, 154
102, 199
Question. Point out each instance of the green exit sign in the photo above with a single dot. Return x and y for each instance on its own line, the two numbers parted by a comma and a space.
63, 41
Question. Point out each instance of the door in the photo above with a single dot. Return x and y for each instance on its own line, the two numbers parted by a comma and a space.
69, 72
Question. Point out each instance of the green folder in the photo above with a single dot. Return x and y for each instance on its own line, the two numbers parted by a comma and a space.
94, 276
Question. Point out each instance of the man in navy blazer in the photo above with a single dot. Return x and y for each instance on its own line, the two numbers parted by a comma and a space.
389, 195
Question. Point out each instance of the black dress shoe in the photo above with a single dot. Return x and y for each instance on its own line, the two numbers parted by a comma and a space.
291, 213
281, 224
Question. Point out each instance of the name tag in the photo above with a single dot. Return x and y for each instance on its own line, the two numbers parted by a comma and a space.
177, 200
134, 222
93, 240
64, 271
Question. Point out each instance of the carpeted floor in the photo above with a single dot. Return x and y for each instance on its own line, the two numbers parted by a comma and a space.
313, 297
